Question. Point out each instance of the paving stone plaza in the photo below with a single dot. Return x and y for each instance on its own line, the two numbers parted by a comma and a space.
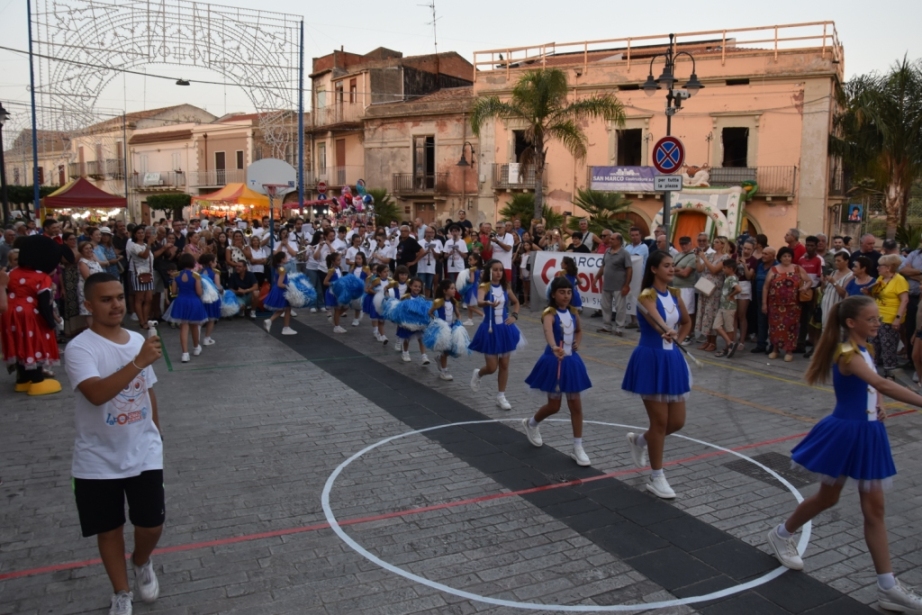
438, 503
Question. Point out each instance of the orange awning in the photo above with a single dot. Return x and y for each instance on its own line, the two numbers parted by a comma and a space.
232, 194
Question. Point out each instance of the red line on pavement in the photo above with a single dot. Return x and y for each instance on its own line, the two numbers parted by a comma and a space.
192, 546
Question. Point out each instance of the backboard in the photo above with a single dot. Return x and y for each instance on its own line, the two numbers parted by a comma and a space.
272, 172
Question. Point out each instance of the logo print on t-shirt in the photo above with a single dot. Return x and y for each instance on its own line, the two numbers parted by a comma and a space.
131, 403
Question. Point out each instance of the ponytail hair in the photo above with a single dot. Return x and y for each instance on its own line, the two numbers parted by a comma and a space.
835, 331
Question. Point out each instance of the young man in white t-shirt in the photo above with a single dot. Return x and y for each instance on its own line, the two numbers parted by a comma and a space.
118, 451
503, 243
432, 253
455, 251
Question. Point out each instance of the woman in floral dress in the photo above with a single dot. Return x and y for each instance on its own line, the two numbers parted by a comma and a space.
780, 300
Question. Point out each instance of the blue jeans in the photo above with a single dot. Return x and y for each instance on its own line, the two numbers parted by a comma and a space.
426, 279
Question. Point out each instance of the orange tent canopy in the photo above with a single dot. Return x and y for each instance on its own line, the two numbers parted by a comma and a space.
233, 194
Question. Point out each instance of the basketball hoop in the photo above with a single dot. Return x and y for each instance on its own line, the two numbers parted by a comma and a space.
274, 178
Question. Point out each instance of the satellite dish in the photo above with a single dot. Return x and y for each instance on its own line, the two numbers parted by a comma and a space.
272, 177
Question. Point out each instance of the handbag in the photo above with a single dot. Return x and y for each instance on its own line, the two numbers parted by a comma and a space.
805, 295
705, 287
145, 278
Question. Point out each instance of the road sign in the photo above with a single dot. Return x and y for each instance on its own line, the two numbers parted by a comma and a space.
668, 155
667, 183
321, 187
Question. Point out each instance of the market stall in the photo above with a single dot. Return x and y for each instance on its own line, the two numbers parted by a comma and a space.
81, 199
232, 201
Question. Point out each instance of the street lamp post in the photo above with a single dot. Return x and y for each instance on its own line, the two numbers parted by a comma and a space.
674, 97
4, 116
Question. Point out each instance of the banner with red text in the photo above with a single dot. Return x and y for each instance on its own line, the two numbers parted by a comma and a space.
547, 264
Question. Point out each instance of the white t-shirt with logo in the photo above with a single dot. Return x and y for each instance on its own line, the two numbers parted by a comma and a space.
501, 254
117, 439
456, 253
427, 263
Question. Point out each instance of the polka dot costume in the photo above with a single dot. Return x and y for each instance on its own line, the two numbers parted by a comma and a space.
25, 336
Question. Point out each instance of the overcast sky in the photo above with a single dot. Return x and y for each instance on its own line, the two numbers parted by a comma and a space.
874, 35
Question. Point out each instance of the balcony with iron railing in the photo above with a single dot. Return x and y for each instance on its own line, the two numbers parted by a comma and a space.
215, 178
771, 180
115, 168
339, 113
157, 181
410, 183
516, 176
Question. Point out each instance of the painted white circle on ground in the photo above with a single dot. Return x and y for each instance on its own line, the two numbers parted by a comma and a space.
576, 608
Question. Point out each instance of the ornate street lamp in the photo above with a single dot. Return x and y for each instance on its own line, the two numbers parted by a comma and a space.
674, 97
4, 116
463, 162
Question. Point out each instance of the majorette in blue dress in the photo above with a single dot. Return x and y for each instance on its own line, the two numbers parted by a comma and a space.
329, 298
657, 369
368, 302
850, 443
276, 299
567, 375
213, 309
494, 337
188, 306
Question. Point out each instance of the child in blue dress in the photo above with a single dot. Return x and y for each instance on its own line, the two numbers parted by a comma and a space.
472, 283
276, 300
213, 309
445, 307
657, 370
560, 371
334, 272
397, 288
414, 291
361, 271
187, 309
374, 285
850, 444
497, 336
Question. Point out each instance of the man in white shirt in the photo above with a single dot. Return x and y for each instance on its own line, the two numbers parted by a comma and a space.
340, 245
589, 238
455, 250
118, 450
503, 243
425, 268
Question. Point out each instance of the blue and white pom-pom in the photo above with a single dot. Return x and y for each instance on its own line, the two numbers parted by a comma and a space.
300, 291
464, 281
210, 292
437, 336
347, 289
460, 340
388, 309
230, 305
412, 314
378, 302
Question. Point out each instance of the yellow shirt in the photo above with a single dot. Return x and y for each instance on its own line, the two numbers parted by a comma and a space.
888, 297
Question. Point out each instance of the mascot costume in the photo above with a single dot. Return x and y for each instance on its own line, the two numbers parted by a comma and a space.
27, 328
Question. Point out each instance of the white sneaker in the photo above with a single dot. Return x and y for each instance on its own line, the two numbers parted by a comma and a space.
915, 377
638, 453
197, 351
899, 598
405, 356
533, 433
146, 583
208, 342
659, 487
398, 347
134, 317
355, 322
444, 375
253, 314
579, 456
289, 331
338, 329
121, 603
293, 313
185, 357
468, 323
475, 381
425, 360
383, 339
502, 402
785, 549
267, 323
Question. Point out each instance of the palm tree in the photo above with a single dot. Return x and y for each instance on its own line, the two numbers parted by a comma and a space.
606, 211
879, 133
539, 99
385, 208
522, 206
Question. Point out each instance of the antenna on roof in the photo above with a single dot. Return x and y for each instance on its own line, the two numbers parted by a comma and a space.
435, 38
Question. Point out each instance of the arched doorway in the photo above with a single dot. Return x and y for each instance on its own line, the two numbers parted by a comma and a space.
689, 223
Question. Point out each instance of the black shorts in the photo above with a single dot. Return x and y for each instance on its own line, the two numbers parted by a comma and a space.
101, 503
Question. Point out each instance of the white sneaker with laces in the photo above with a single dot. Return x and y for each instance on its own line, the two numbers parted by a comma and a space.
468, 323
293, 313
146, 583
185, 357
785, 549
197, 351
121, 603
338, 329
502, 402
579, 456
899, 598
638, 453
406, 357
208, 342
659, 487
355, 322
424, 360
444, 375
533, 433
289, 331
475, 381
267, 323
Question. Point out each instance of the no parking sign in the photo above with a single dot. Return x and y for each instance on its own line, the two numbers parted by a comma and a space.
668, 155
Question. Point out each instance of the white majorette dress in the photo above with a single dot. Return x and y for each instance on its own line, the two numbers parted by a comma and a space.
850, 443
657, 370
560, 376
494, 337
